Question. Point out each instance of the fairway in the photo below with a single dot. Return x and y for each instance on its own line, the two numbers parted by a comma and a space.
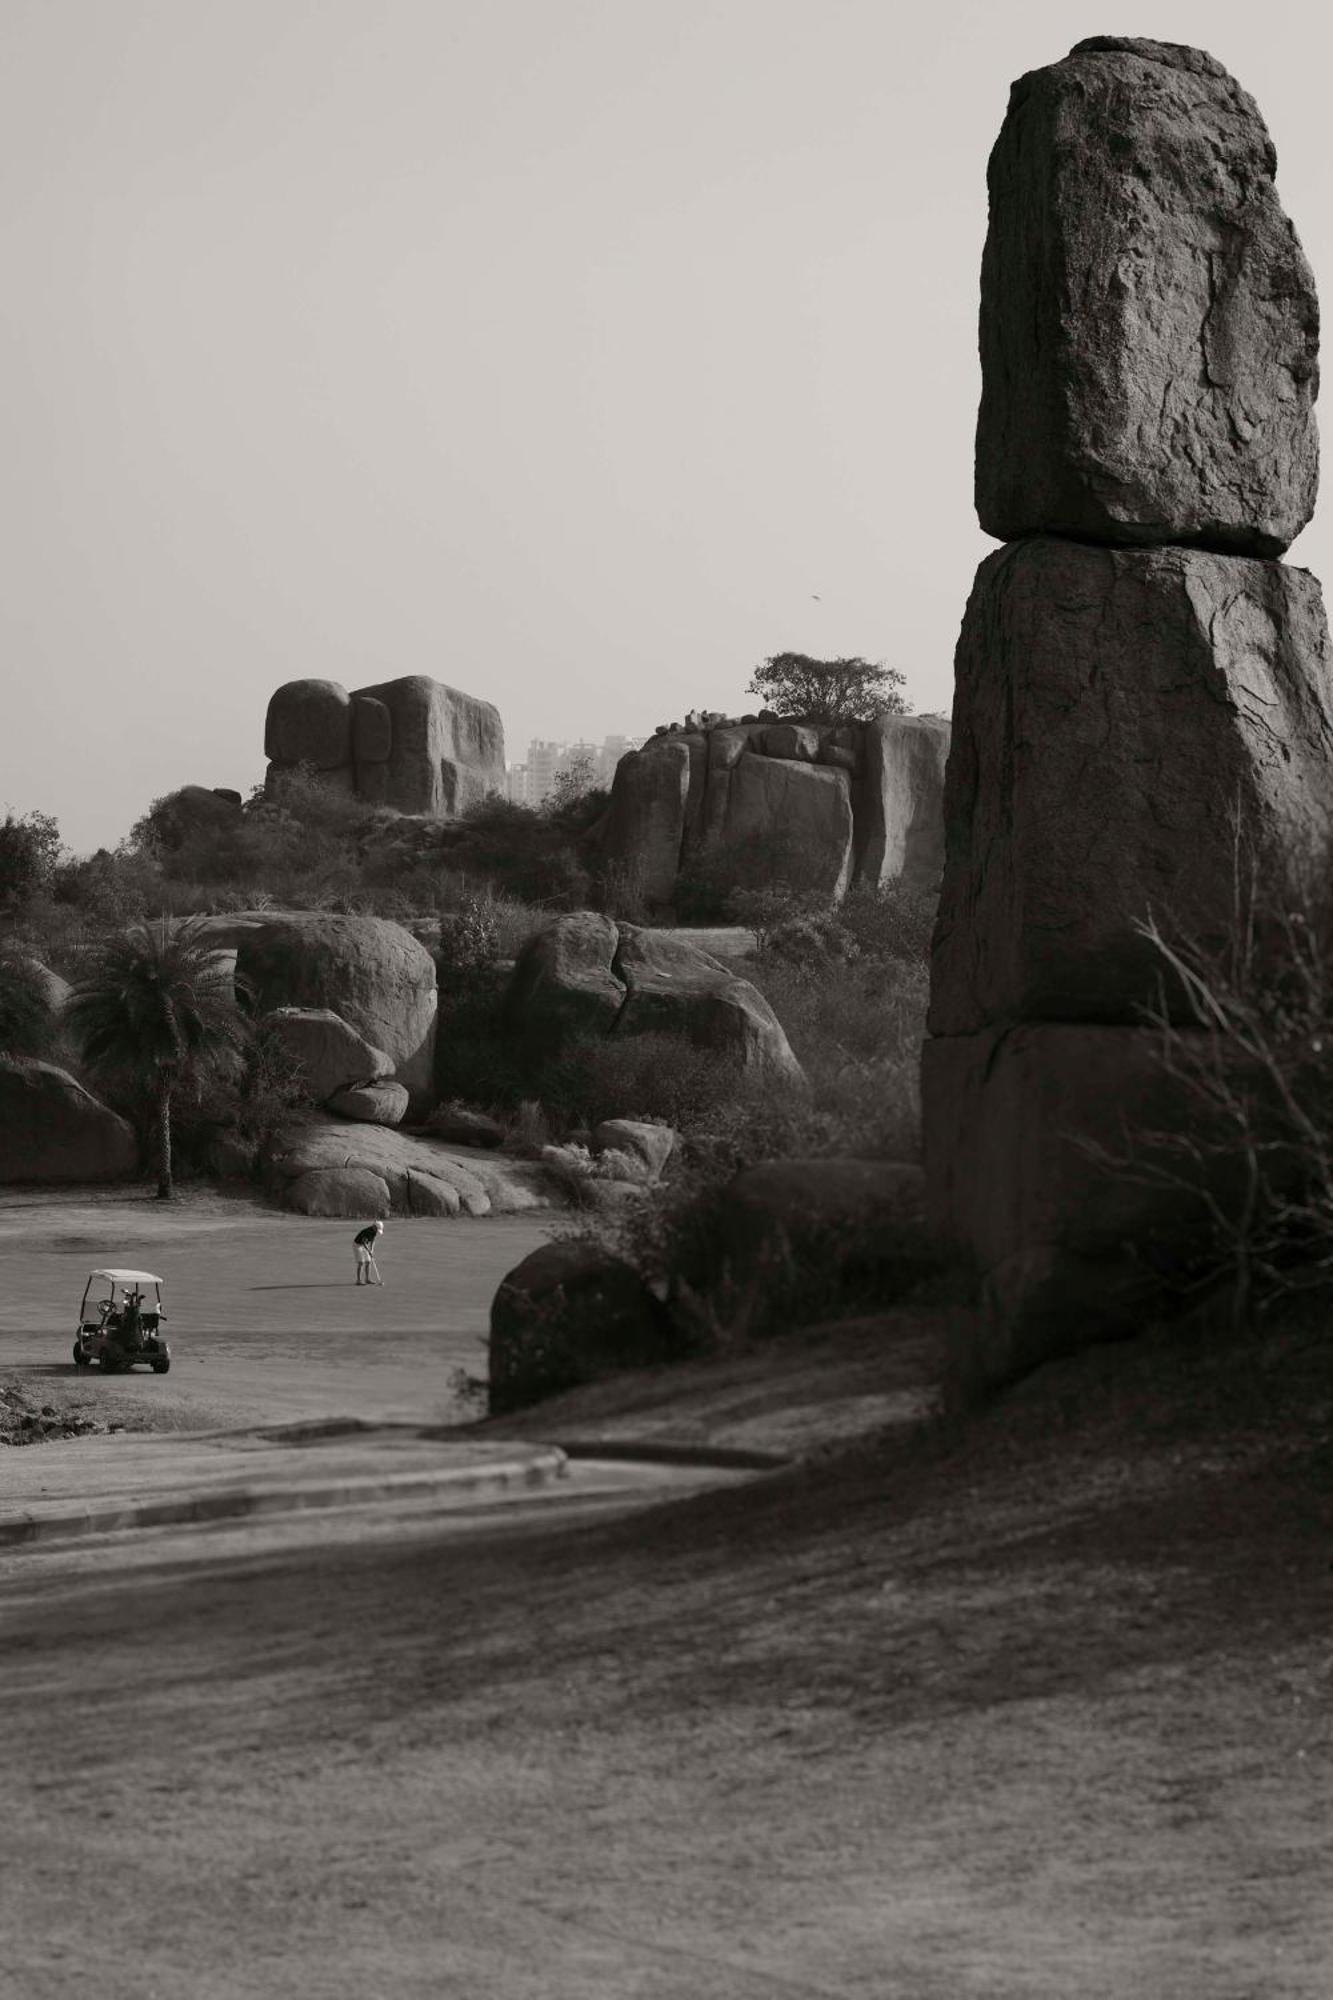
262, 1313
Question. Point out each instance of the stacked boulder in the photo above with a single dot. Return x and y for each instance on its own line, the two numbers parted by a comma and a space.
760, 801
1136, 670
412, 744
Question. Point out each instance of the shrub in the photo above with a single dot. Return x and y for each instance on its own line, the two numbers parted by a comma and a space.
654, 1076
27, 1021
29, 851
1244, 1024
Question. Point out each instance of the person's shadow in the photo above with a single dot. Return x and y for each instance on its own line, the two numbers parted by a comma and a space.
315, 1285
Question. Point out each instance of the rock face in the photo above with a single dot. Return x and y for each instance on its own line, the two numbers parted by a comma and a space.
348, 1191
331, 1053
645, 828
585, 975
413, 744
1149, 326
481, 1183
563, 984
816, 806
899, 801
371, 973
52, 1129
1122, 712
567, 1314
1113, 710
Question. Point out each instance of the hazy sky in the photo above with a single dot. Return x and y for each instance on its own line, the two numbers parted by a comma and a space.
564, 350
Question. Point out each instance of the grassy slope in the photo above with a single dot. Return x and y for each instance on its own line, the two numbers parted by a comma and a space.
1036, 1704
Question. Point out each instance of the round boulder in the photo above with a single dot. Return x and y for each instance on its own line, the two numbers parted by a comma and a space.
383, 1103
370, 972
309, 722
569, 1313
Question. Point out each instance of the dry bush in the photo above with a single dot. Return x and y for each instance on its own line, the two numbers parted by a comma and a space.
1245, 1029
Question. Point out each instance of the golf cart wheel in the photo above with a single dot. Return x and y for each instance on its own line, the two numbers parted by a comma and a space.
161, 1367
81, 1359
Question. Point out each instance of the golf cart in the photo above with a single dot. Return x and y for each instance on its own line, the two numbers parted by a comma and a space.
120, 1323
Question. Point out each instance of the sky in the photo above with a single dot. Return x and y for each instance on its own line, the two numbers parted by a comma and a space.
578, 353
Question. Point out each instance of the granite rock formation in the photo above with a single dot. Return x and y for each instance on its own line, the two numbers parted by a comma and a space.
372, 974
816, 806
1149, 325
1148, 351
53, 1129
586, 975
412, 744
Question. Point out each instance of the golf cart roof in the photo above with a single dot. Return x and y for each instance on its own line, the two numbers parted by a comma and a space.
127, 1277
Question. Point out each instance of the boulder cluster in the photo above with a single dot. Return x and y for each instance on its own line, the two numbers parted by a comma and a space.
1137, 672
812, 805
413, 744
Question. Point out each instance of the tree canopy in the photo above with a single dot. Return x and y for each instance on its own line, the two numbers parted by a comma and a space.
158, 1009
29, 851
851, 690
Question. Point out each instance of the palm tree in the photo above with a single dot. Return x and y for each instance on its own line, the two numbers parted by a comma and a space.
157, 1010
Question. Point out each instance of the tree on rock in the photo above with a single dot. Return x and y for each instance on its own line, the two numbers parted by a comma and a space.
852, 690
157, 1012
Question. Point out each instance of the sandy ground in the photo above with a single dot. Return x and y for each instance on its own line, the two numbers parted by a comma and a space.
1029, 1705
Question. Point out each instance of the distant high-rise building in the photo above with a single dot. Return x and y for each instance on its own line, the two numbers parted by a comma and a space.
516, 784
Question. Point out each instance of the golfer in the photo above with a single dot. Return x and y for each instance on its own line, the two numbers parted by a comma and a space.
364, 1244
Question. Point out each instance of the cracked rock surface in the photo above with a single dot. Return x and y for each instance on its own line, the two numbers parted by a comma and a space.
1149, 324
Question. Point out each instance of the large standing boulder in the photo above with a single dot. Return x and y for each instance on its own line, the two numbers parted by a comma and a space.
331, 1052
645, 824
52, 1129
412, 744
1149, 325
1114, 710
899, 800
785, 821
445, 749
371, 972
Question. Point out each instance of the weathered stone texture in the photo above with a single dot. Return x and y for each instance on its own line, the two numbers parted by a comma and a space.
645, 827
1050, 1157
674, 988
899, 801
332, 1053
786, 822
309, 722
1149, 325
370, 972
585, 975
446, 750
1114, 710
412, 744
